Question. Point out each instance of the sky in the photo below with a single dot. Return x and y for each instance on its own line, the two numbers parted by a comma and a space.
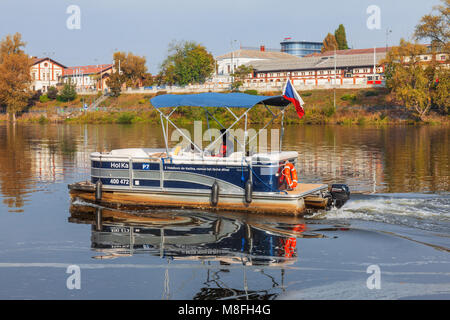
147, 27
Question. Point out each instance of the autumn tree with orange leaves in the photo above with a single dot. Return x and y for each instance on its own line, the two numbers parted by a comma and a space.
15, 76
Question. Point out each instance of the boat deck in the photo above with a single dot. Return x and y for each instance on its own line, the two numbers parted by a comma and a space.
303, 188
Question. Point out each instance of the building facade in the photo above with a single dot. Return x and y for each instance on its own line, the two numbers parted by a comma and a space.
300, 48
341, 69
45, 73
88, 78
227, 63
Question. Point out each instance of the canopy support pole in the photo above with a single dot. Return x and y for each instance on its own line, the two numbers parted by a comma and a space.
181, 132
273, 118
226, 131
223, 127
282, 129
164, 133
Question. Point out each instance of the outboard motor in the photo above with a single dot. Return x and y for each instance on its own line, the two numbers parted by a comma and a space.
340, 193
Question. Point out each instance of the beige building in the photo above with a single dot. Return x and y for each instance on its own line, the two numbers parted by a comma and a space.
88, 78
45, 73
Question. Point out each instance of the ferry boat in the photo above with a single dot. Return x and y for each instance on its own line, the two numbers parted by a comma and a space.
200, 178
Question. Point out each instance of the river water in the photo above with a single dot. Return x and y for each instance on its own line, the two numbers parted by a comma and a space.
390, 241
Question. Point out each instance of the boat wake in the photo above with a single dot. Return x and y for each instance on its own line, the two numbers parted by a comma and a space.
423, 211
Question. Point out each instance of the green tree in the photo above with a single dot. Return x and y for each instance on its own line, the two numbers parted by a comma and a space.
240, 74
187, 62
68, 93
329, 43
15, 76
341, 37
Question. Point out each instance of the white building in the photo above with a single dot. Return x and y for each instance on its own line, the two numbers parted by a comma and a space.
87, 78
45, 72
348, 67
227, 63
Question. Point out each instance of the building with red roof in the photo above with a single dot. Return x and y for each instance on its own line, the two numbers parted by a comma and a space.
45, 73
90, 77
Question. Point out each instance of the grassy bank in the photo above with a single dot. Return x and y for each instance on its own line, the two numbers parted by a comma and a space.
353, 106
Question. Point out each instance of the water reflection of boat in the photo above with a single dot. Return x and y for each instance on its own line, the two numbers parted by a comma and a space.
191, 236
217, 241
192, 177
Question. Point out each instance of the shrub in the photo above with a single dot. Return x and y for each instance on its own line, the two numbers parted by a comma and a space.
68, 93
44, 98
125, 118
42, 119
329, 111
52, 93
251, 91
306, 94
348, 97
370, 93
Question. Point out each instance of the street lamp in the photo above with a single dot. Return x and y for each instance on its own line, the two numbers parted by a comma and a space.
388, 31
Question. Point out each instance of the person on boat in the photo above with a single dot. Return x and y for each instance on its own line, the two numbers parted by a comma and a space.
227, 146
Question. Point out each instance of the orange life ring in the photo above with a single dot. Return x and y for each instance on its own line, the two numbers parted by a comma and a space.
290, 174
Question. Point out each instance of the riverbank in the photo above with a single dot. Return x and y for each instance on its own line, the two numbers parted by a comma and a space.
353, 106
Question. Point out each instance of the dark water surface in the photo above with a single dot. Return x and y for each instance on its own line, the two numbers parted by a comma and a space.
397, 220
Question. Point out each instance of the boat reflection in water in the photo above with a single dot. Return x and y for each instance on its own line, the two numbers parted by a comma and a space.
229, 239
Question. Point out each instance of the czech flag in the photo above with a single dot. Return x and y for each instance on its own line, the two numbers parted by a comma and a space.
289, 93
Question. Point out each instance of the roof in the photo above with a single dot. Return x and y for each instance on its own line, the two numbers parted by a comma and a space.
257, 54
350, 52
320, 62
214, 99
91, 69
36, 60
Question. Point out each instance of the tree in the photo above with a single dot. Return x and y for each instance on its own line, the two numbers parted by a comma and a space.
240, 74
68, 93
129, 70
147, 79
436, 27
329, 43
418, 85
132, 67
15, 76
11, 45
187, 62
115, 83
441, 97
341, 37
52, 93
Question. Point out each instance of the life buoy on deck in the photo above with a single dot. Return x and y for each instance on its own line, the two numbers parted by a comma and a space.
290, 174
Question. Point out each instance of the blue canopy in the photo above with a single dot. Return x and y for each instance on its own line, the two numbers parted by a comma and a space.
213, 99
